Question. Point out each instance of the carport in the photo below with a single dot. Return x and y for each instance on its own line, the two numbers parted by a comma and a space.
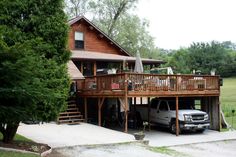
130, 86
209, 104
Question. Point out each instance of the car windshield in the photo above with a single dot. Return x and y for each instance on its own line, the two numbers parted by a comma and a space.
182, 106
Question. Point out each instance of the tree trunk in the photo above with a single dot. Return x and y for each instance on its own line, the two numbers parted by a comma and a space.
9, 132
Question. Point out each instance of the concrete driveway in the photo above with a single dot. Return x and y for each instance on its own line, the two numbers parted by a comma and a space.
72, 135
161, 138
88, 134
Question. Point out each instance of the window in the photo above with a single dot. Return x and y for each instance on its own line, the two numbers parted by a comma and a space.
79, 40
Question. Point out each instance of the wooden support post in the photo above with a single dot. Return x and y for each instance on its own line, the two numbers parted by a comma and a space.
94, 68
85, 110
100, 103
149, 109
135, 110
82, 68
177, 116
126, 103
126, 115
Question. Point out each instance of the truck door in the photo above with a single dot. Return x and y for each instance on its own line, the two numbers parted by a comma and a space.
163, 113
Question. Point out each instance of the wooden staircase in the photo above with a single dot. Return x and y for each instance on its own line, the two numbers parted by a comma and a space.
71, 116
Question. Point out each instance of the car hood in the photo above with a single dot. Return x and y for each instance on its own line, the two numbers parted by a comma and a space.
190, 112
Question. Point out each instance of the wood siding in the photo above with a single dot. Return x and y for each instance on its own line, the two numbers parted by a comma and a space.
93, 40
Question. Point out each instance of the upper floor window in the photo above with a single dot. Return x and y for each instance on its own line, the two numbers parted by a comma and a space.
79, 40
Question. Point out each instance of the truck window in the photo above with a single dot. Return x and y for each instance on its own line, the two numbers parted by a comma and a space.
163, 106
154, 103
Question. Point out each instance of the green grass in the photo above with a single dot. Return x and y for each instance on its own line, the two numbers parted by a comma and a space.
229, 120
228, 99
168, 151
18, 138
15, 154
228, 94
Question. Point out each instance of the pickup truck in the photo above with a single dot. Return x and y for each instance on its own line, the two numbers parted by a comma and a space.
163, 113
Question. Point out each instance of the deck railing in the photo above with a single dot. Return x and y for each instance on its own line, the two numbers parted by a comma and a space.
149, 82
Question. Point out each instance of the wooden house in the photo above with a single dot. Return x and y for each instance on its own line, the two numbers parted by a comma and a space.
93, 53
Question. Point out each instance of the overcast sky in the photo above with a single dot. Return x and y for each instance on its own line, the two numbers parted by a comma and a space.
178, 23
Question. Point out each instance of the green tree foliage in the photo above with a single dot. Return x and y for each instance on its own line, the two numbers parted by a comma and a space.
34, 83
179, 61
133, 36
109, 12
74, 8
207, 56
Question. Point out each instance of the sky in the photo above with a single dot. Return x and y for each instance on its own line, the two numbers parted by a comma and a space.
178, 23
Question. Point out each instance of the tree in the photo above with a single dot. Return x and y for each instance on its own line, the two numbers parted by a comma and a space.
132, 34
179, 61
77, 7
34, 83
109, 12
207, 56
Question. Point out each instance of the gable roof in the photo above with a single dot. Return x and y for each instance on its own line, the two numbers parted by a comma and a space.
78, 18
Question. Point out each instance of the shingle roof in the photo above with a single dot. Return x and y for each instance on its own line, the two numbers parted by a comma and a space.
98, 56
74, 72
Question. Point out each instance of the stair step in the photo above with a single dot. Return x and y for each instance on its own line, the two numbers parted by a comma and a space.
70, 123
72, 109
71, 102
69, 113
72, 116
71, 120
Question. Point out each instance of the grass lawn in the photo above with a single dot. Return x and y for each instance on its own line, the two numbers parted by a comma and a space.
16, 154
18, 138
228, 99
229, 120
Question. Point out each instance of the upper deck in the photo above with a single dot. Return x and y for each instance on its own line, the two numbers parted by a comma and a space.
148, 85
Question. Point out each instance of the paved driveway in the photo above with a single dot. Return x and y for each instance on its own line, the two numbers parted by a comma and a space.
161, 138
71, 135
88, 134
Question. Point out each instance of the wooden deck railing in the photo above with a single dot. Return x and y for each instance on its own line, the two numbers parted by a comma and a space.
149, 82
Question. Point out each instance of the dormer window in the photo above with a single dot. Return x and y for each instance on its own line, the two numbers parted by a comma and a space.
79, 40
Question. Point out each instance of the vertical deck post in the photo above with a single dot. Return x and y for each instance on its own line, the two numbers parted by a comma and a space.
177, 116
126, 103
100, 103
135, 110
85, 110
149, 105
82, 68
94, 68
99, 112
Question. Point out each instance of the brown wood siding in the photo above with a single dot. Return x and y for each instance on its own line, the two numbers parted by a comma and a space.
93, 40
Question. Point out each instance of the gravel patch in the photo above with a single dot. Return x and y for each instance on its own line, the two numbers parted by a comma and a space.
123, 150
211, 149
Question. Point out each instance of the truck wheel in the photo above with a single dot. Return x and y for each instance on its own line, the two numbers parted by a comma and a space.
173, 128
